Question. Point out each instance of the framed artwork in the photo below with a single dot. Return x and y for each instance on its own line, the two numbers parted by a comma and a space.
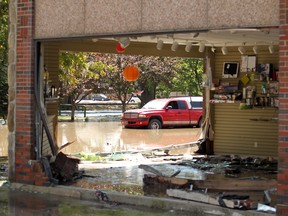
230, 69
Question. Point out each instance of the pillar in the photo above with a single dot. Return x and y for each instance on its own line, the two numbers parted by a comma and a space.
282, 190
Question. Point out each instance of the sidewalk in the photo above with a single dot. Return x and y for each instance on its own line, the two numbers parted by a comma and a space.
166, 205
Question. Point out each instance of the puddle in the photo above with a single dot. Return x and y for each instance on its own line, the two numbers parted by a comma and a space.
91, 137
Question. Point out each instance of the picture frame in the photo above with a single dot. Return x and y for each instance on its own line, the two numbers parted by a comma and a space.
230, 69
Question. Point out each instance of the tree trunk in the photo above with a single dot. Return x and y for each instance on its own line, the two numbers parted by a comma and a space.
73, 107
148, 93
124, 106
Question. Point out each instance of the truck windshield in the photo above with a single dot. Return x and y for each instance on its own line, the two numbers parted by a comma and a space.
155, 104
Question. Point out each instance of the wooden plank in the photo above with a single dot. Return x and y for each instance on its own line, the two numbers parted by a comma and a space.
236, 184
212, 199
220, 185
199, 197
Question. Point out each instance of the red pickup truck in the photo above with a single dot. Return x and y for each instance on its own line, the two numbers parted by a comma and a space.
166, 112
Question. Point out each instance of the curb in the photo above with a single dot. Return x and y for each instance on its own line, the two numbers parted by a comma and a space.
196, 208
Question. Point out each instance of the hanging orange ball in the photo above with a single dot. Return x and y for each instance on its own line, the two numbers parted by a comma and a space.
119, 48
131, 73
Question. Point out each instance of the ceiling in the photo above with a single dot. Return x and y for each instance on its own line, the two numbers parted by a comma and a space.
214, 38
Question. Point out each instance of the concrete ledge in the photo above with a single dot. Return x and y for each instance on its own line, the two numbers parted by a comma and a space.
196, 208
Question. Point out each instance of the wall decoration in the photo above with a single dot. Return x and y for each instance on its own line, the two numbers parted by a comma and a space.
131, 73
119, 48
230, 69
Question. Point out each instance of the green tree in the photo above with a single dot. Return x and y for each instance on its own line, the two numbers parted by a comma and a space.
189, 76
112, 79
156, 72
3, 57
77, 77
153, 71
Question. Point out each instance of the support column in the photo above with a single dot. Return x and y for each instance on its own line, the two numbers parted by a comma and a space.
282, 190
21, 113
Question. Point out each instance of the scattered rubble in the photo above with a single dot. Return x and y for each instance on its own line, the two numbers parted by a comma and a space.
230, 181
243, 190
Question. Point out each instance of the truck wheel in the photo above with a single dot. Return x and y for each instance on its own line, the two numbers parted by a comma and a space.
155, 124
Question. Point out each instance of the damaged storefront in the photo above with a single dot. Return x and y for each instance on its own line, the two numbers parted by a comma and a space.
240, 137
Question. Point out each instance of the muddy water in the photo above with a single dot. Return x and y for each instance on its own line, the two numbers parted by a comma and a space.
124, 175
111, 137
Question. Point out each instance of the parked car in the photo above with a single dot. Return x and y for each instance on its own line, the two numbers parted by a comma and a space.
158, 113
100, 97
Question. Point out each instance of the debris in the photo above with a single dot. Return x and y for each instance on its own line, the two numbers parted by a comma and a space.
266, 208
157, 185
224, 201
196, 196
150, 169
65, 145
270, 196
236, 184
156, 172
219, 185
64, 167
101, 196
48, 171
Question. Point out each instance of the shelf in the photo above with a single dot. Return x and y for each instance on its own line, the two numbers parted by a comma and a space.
216, 101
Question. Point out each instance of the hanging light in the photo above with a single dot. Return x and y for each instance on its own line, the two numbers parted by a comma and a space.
224, 50
188, 47
242, 50
159, 44
174, 46
213, 49
255, 49
201, 47
124, 41
271, 49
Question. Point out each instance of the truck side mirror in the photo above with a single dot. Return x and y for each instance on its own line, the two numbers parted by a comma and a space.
168, 107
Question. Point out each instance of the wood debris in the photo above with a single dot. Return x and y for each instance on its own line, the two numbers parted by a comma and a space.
229, 202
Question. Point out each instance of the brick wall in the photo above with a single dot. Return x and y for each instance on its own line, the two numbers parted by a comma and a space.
27, 170
282, 207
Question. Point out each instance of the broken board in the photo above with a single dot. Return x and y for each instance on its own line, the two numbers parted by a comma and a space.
222, 185
199, 197
213, 200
